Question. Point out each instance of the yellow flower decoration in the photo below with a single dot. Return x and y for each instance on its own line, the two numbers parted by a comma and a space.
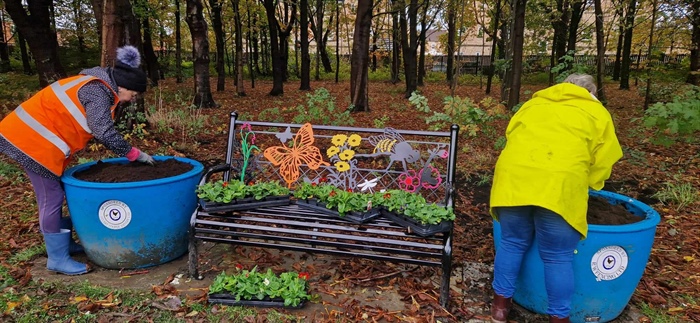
342, 166
347, 154
332, 151
354, 140
339, 139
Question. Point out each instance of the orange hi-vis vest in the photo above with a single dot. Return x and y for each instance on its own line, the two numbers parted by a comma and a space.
52, 125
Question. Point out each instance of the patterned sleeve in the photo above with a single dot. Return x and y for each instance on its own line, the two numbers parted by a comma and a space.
97, 100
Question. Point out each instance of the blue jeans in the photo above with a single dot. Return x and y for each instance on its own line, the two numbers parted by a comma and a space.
557, 241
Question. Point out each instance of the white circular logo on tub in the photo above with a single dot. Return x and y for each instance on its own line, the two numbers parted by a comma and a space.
115, 214
609, 263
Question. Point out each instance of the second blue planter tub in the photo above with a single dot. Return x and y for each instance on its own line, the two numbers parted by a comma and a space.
133, 224
608, 265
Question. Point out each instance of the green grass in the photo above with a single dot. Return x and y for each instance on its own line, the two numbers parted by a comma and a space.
658, 315
11, 172
27, 254
682, 194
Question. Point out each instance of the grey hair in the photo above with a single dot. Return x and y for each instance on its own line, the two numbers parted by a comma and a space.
583, 80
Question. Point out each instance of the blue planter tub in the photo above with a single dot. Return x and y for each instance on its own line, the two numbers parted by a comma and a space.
133, 224
608, 265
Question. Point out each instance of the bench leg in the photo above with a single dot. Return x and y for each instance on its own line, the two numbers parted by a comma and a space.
446, 272
193, 255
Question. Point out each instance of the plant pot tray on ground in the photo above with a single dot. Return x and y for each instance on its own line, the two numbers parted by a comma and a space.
354, 217
416, 227
244, 204
228, 299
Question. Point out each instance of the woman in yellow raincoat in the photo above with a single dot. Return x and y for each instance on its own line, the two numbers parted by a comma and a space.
560, 143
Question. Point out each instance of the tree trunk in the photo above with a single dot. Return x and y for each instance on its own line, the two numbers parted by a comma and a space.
35, 26
240, 89
492, 68
620, 41
118, 26
694, 75
421, 41
178, 44
291, 14
600, 46
219, 39
250, 50
396, 44
650, 51
451, 35
577, 9
4, 50
518, 37
26, 65
149, 54
200, 51
627, 46
97, 9
359, 65
305, 57
409, 44
560, 24
275, 52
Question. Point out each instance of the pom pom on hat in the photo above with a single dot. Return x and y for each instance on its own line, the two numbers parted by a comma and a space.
126, 70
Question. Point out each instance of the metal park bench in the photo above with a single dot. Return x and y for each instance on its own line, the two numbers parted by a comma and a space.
422, 162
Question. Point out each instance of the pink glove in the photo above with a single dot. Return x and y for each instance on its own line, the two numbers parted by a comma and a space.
137, 155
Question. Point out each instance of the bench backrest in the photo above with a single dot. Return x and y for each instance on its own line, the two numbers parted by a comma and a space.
357, 159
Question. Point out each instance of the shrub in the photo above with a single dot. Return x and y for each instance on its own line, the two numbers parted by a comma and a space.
679, 119
320, 108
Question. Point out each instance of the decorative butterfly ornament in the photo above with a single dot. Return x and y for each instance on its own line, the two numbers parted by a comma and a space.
301, 152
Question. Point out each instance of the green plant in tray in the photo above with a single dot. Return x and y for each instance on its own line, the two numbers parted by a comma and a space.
225, 192
251, 284
416, 207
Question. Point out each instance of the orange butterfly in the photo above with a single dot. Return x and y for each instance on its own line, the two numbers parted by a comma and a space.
302, 152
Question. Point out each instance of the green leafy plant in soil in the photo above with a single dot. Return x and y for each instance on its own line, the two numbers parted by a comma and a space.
225, 192
251, 284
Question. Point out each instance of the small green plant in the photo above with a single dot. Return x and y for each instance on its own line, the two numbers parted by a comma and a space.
682, 195
271, 115
419, 101
415, 206
251, 284
320, 109
679, 119
568, 66
225, 192
380, 122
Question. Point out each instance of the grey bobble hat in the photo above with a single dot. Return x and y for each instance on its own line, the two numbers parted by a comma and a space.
126, 71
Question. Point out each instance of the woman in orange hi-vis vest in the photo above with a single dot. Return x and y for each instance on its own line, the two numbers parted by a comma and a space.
45, 131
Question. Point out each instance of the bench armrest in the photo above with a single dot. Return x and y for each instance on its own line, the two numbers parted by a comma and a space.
213, 170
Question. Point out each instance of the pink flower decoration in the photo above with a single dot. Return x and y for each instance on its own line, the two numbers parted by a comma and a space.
444, 154
409, 181
246, 126
435, 174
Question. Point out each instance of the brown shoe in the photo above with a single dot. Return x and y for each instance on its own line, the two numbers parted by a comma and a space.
500, 307
554, 319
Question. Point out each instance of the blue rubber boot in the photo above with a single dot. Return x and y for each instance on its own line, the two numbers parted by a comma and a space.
74, 248
59, 260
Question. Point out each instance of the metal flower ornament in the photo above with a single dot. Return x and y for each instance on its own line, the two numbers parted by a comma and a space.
247, 149
342, 155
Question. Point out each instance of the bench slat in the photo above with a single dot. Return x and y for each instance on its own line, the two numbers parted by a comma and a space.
325, 251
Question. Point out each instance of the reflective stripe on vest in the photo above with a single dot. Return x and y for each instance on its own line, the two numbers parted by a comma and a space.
60, 91
42, 131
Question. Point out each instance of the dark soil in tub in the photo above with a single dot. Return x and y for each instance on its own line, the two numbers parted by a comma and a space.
102, 172
601, 212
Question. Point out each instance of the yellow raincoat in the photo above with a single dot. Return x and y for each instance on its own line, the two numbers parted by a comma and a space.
560, 143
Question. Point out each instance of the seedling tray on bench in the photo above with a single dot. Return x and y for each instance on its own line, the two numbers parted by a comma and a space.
354, 217
416, 227
244, 204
